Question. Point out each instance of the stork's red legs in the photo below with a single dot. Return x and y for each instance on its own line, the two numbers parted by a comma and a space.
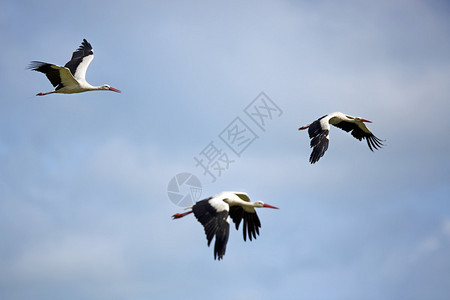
178, 215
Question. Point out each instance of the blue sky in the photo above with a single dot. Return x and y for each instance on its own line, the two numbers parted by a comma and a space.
84, 209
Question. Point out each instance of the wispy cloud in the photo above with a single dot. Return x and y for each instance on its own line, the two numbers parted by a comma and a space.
83, 178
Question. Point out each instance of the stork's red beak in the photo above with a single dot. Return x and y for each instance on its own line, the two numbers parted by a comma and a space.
114, 90
364, 120
269, 206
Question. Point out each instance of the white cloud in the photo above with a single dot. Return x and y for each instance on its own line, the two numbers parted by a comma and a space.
83, 178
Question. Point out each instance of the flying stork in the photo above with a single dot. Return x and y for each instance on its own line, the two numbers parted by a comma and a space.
319, 132
70, 79
214, 214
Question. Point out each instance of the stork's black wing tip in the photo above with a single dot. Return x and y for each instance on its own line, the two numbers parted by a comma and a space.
375, 143
85, 48
33, 65
218, 256
86, 43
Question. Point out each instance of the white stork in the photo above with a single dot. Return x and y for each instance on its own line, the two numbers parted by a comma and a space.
214, 214
70, 79
319, 132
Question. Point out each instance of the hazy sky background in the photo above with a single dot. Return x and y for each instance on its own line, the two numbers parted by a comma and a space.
84, 210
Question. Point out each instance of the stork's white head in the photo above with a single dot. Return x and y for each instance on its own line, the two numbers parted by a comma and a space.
262, 204
107, 87
357, 119
363, 120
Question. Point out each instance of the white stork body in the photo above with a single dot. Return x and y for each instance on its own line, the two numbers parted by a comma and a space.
71, 78
319, 132
214, 214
